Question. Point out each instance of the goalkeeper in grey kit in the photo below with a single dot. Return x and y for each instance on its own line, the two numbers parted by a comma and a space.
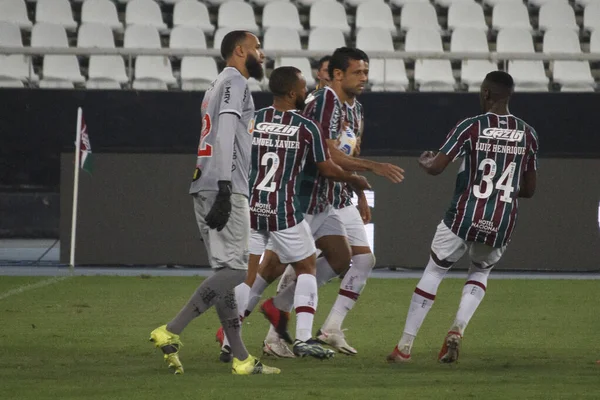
220, 192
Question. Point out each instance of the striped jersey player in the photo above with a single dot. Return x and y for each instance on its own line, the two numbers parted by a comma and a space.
349, 143
283, 142
317, 192
499, 163
496, 151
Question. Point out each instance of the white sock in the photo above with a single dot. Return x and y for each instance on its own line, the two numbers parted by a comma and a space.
285, 298
420, 304
305, 303
258, 287
472, 295
242, 294
352, 285
324, 271
288, 278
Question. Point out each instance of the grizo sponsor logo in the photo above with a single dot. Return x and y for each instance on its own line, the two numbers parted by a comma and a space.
276, 129
510, 135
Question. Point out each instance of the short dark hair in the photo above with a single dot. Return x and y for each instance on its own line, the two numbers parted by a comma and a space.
501, 78
341, 57
231, 41
282, 80
323, 60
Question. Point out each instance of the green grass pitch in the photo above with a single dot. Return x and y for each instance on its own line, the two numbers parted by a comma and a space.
87, 338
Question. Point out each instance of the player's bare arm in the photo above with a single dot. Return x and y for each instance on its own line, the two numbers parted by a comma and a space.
392, 172
528, 184
331, 170
434, 164
363, 207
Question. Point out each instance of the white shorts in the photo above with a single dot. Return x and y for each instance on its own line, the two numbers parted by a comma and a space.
355, 227
291, 245
447, 246
326, 223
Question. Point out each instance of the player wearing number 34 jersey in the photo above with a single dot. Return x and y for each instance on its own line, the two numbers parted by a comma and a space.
499, 163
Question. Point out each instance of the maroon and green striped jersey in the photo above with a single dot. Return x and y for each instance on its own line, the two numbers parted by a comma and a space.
496, 151
354, 126
325, 107
283, 143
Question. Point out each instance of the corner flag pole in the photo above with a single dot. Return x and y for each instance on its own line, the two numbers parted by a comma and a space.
75, 188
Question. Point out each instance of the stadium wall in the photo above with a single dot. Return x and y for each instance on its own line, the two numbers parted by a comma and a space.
135, 210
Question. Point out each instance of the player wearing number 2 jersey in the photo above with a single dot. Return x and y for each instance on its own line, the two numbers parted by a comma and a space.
284, 142
499, 163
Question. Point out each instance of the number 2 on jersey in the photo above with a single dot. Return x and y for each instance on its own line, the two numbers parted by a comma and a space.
267, 183
504, 184
205, 149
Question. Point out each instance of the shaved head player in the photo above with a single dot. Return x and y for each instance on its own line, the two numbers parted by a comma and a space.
220, 191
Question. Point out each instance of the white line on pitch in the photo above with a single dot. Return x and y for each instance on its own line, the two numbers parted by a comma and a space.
33, 286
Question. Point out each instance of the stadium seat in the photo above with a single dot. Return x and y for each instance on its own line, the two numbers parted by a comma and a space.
262, 3
302, 64
101, 12
569, 74
187, 37
585, 3
326, 39
142, 36
151, 72
401, 3
95, 35
14, 66
144, 12
595, 42
216, 3
430, 75
472, 40
449, 3
493, 3
104, 72
10, 35
15, 11
279, 38
219, 35
375, 14
197, 72
384, 75
539, 3
11, 83
55, 84
591, 17
356, 3
330, 14
557, 16
528, 75
466, 15
55, 12
192, 13
510, 15
237, 15
256, 86
420, 16
57, 70
281, 14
